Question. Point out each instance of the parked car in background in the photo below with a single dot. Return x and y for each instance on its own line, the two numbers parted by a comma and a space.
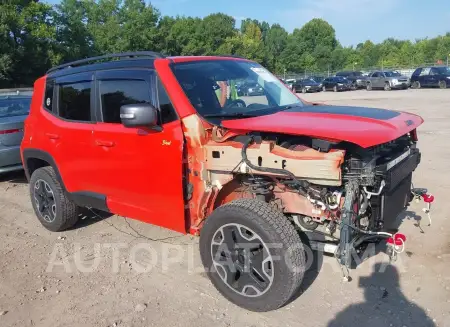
336, 83
431, 77
290, 82
387, 80
317, 79
357, 78
250, 89
14, 108
306, 85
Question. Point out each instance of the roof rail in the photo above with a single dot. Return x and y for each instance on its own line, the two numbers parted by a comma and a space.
148, 54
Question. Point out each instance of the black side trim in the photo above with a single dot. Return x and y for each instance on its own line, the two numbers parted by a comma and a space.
90, 199
42, 155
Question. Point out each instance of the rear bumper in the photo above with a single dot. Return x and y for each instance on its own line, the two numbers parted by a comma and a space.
10, 159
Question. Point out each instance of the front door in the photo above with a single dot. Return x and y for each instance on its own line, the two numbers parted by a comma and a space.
140, 170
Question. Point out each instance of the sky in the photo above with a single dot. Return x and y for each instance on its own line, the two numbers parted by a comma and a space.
354, 20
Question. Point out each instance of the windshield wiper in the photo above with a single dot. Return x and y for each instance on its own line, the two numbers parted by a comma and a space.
231, 114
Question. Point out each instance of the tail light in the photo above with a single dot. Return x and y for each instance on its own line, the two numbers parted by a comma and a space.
10, 131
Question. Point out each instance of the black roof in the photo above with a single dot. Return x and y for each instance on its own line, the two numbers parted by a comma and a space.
127, 59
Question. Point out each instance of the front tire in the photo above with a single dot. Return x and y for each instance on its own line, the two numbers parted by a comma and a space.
416, 85
324, 89
443, 84
304, 90
50, 203
369, 86
387, 86
253, 254
335, 88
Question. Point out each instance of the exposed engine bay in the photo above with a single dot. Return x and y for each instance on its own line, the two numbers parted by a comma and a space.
333, 191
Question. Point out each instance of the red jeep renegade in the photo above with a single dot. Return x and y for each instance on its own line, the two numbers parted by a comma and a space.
219, 147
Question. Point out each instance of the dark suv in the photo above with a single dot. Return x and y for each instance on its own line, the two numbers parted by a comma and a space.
168, 141
358, 80
438, 76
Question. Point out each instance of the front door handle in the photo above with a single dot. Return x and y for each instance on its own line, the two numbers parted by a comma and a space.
104, 143
52, 136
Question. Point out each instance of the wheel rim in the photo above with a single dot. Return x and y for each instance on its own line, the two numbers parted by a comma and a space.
443, 84
242, 260
45, 200
335, 89
303, 90
324, 88
386, 87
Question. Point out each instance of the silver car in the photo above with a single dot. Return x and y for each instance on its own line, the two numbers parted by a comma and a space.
387, 80
14, 108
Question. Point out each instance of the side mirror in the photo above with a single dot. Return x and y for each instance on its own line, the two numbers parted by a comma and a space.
139, 115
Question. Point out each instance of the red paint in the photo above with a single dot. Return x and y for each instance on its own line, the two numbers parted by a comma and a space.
365, 132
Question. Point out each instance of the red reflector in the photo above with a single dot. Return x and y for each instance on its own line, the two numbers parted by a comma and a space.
10, 131
428, 198
398, 239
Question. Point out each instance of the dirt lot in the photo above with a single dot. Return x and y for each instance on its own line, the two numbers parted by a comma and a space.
76, 278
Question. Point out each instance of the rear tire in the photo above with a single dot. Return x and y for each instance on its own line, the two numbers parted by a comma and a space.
443, 84
324, 89
387, 86
263, 278
50, 203
369, 86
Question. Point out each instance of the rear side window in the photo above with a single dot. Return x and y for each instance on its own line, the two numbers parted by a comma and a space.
75, 101
116, 93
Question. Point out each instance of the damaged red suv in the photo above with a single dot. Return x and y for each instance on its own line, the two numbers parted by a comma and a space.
173, 141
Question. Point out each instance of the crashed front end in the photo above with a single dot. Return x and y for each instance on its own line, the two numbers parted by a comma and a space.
340, 195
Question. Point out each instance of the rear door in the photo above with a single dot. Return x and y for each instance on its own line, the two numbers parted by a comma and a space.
424, 77
68, 127
434, 77
139, 169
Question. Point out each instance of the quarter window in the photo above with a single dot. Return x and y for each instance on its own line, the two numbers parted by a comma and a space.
117, 93
75, 101
48, 98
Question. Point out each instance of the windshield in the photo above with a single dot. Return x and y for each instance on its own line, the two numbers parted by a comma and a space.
309, 80
233, 88
392, 74
10, 106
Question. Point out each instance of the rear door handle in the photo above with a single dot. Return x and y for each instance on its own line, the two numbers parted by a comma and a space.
52, 136
104, 143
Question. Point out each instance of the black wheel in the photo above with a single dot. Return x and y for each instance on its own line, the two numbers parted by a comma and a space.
304, 90
369, 86
253, 254
335, 88
324, 89
416, 85
387, 86
53, 209
443, 84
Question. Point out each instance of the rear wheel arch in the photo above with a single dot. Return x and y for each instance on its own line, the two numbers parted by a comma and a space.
34, 159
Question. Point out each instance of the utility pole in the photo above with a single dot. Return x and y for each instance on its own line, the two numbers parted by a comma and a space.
447, 58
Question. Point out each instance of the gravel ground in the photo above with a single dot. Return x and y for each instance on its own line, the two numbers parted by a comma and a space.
112, 272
